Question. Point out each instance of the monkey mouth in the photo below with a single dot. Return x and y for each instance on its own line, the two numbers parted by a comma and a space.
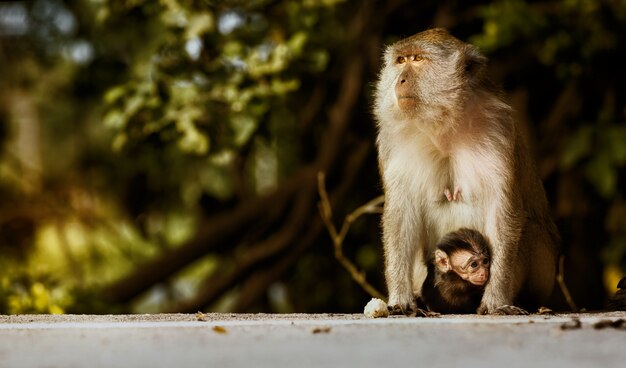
407, 101
479, 282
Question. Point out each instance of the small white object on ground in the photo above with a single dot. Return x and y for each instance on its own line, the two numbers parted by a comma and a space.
376, 308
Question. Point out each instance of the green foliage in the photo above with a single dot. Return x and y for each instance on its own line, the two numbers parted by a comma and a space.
21, 294
564, 34
209, 88
601, 150
189, 89
506, 22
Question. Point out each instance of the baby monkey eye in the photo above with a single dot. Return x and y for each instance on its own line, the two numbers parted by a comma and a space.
474, 264
485, 262
401, 60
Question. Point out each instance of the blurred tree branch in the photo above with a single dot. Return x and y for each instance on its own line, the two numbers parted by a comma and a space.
223, 230
338, 237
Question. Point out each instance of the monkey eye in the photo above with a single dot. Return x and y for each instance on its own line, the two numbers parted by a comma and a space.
474, 264
416, 58
401, 60
485, 262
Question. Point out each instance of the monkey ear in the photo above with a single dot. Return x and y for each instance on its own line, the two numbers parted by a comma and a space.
442, 261
474, 61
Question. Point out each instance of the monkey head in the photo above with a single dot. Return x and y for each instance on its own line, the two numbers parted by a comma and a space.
464, 252
457, 274
429, 74
470, 267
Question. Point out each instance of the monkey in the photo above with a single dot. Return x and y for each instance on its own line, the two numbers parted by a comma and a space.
451, 156
457, 273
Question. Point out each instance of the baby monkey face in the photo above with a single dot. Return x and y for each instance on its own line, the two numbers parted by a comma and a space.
470, 267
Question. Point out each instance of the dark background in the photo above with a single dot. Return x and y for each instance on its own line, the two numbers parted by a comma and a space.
163, 155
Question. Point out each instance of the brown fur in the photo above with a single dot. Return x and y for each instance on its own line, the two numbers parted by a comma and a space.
454, 130
447, 292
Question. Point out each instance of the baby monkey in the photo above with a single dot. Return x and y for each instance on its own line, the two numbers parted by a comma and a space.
457, 275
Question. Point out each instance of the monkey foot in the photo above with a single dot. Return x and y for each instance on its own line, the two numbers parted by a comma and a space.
406, 309
410, 311
456, 196
426, 313
510, 310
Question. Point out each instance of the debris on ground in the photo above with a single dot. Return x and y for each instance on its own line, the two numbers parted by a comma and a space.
574, 324
619, 324
376, 308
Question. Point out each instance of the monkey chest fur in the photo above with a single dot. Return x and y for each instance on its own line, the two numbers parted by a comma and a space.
418, 176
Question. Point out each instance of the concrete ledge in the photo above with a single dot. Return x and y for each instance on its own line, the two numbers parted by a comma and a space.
319, 340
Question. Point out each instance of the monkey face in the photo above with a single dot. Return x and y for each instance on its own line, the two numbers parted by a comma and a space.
407, 87
428, 74
470, 267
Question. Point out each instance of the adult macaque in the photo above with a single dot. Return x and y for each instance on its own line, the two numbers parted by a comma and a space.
458, 273
451, 156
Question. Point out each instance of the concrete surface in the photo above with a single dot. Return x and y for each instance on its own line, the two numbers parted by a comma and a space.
244, 340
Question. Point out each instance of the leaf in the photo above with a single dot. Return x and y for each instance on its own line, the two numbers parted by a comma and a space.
113, 94
281, 87
220, 330
602, 175
192, 140
297, 42
615, 138
577, 147
243, 126
119, 142
115, 119
133, 104
199, 24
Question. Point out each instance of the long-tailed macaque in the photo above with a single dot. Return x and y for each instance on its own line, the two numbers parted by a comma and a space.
451, 156
457, 273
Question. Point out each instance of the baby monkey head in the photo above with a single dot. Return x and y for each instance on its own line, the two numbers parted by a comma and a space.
466, 253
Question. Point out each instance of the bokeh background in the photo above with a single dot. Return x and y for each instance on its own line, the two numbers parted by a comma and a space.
163, 156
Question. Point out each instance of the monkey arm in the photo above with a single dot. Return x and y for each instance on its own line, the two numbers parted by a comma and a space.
400, 242
504, 229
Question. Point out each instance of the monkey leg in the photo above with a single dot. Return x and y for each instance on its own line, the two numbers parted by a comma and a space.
401, 247
507, 274
531, 278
